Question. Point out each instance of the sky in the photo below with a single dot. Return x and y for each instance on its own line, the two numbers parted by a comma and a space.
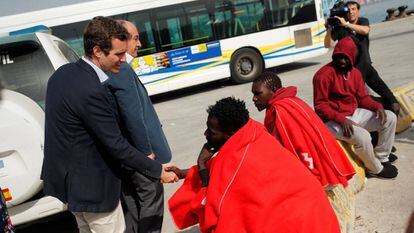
11, 7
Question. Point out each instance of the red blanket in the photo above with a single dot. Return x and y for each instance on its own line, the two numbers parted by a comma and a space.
256, 186
304, 134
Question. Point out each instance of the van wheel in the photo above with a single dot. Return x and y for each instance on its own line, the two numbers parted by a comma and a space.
246, 64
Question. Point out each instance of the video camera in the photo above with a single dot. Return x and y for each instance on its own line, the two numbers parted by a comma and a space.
339, 9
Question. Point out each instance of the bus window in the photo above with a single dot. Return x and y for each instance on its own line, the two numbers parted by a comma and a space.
174, 28
223, 19
72, 34
69, 53
291, 12
248, 16
200, 30
303, 12
142, 21
238, 17
170, 27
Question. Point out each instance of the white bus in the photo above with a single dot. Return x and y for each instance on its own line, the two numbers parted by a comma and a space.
187, 42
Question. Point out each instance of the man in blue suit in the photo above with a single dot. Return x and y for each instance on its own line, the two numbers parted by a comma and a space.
84, 147
143, 197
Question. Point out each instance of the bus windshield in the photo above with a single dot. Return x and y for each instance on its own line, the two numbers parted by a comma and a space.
25, 68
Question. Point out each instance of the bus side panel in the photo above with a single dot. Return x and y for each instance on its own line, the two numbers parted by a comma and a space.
278, 46
186, 79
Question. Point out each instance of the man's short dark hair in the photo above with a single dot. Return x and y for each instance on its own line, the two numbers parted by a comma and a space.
99, 32
124, 23
348, 3
231, 114
270, 80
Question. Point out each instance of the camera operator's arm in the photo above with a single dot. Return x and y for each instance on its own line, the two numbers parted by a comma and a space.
328, 41
358, 29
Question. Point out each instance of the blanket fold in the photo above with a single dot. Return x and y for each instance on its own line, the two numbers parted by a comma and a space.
256, 186
304, 134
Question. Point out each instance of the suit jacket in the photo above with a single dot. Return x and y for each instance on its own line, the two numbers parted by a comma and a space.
136, 114
84, 147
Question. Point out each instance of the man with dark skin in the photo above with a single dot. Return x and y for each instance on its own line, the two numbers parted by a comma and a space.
301, 131
342, 102
358, 28
249, 183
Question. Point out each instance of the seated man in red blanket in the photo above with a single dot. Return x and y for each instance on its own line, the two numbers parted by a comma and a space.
254, 184
301, 131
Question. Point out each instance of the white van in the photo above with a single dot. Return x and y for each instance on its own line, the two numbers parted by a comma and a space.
27, 60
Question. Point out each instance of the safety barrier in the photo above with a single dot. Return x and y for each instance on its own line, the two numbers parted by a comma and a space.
405, 95
343, 203
356, 184
343, 199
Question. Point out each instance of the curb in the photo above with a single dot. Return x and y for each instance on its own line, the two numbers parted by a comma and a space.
343, 199
405, 95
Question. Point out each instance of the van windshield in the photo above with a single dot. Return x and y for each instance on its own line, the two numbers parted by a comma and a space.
25, 68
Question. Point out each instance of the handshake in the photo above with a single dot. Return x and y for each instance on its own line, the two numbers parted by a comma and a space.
171, 174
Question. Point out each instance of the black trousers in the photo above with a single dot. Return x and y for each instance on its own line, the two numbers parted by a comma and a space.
374, 81
142, 201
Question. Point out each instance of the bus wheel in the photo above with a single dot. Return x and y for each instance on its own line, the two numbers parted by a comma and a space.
246, 64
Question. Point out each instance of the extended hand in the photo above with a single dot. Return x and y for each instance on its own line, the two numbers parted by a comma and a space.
168, 176
347, 127
180, 173
381, 116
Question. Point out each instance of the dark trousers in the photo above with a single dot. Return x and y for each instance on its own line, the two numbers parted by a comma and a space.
143, 203
374, 81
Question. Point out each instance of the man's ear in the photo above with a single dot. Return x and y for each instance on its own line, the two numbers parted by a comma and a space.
97, 51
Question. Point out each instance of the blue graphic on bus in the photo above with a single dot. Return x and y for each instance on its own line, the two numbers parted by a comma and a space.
194, 53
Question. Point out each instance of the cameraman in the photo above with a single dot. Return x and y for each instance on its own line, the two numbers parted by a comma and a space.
358, 28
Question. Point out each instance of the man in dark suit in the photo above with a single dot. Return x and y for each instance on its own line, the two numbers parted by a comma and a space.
84, 148
143, 196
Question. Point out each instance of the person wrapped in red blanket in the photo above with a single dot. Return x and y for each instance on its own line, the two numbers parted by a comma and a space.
254, 184
301, 131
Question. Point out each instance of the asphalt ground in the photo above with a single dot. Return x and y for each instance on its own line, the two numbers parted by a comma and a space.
384, 205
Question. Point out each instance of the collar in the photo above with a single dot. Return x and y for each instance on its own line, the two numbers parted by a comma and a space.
129, 58
101, 75
281, 93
